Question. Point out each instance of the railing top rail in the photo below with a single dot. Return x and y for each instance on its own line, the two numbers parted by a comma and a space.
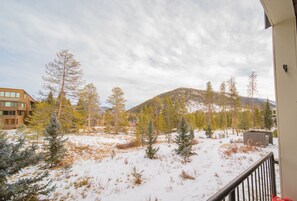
221, 194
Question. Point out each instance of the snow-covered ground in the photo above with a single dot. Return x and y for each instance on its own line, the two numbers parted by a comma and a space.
109, 178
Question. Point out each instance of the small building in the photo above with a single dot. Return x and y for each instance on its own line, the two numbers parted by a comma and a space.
257, 138
15, 106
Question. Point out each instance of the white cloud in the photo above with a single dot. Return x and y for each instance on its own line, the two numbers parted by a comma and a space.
145, 47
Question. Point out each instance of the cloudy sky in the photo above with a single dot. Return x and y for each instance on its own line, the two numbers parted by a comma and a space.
146, 47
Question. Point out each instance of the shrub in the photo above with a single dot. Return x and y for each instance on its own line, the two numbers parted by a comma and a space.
137, 176
128, 145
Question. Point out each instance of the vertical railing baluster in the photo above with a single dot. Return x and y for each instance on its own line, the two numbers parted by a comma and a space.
242, 188
253, 195
256, 186
273, 175
260, 180
259, 183
267, 181
231, 196
248, 185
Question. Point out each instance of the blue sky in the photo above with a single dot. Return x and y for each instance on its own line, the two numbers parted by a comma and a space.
146, 47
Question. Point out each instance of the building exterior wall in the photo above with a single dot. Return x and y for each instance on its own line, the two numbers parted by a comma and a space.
284, 41
15, 106
283, 20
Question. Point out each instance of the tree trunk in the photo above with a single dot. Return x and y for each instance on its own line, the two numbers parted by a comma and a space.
62, 92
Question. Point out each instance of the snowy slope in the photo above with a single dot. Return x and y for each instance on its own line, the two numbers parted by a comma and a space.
110, 179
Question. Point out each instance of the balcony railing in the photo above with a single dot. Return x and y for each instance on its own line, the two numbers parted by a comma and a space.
256, 183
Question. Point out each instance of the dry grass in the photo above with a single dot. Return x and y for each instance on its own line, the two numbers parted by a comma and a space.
137, 176
128, 145
185, 175
230, 149
194, 142
77, 152
82, 182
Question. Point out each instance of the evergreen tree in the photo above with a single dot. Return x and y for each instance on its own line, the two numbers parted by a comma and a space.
63, 77
141, 126
50, 99
208, 102
107, 121
14, 157
54, 148
150, 141
244, 120
117, 101
39, 118
234, 104
268, 121
208, 131
223, 104
200, 119
70, 118
157, 109
90, 103
259, 119
184, 140
252, 90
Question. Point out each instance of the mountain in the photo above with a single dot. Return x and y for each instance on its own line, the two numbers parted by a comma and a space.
195, 99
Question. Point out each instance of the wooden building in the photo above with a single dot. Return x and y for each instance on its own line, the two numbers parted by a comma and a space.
15, 106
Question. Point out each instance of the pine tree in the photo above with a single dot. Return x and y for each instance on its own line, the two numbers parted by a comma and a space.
234, 103
200, 119
252, 90
268, 121
184, 140
208, 102
141, 126
157, 109
208, 131
107, 121
244, 120
117, 101
150, 141
63, 77
39, 118
54, 148
223, 103
90, 103
259, 119
14, 157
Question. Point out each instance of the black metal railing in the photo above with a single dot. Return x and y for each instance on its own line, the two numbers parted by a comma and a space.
257, 183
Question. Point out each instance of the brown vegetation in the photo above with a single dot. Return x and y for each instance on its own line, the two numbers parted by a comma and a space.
185, 175
128, 145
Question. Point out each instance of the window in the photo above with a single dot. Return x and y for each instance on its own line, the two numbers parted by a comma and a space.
1, 93
10, 104
12, 94
25, 95
20, 113
7, 94
17, 95
7, 104
1, 113
22, 105
9, 121
8, 112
